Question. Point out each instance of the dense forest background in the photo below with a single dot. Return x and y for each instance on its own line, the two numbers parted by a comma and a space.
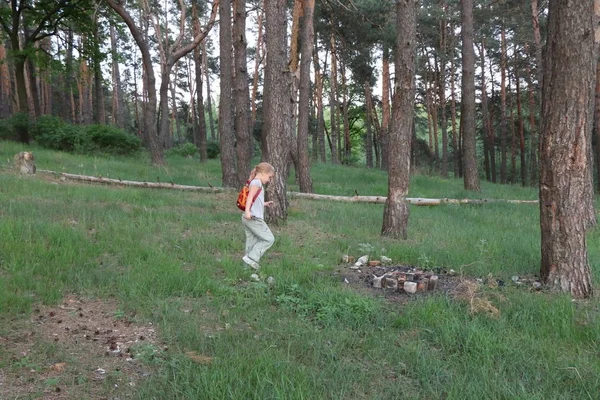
75, 70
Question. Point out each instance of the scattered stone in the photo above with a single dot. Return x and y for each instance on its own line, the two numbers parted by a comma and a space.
433, 282
347, 259
255, 277
422, 285
514, 278
391, 283
374, 263
537, 285
270, 280
377, 281
361, 261
452, 272
410, 287
386, 260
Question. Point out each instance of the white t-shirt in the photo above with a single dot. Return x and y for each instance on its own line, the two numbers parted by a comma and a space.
257, 210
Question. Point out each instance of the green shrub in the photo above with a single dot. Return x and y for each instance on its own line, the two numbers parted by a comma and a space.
12, 127
6, 130
52, 132
184, 149
213, 149
109, 139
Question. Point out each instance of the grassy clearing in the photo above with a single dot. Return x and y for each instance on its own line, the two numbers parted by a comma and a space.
173, 258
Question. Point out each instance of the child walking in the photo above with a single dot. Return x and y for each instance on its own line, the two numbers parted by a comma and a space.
258, 235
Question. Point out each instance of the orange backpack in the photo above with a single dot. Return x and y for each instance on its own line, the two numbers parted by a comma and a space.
243, 196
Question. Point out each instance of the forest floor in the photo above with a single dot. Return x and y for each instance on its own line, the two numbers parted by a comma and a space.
95, 339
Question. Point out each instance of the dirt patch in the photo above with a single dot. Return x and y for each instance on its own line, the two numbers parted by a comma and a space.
82, 348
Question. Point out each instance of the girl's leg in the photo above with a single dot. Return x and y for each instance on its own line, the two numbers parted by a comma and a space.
251, 239
264, 238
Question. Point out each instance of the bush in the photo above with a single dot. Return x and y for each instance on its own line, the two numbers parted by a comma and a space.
213, 149
109, 139
12, 127
52, 132
6, 130
184, 150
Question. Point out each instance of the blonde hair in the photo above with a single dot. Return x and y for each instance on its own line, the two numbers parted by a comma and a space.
261, 168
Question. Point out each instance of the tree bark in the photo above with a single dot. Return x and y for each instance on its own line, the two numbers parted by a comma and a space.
277, 129
396, 213
258, 58
503, 131
200, 131
385, 109
118, 102
597, 123
226, 120
209, 106
521, 130
566, 209
306, 50
241, 93
455, 142
333, 103
369, 125
320, 108
471, 175
5, 88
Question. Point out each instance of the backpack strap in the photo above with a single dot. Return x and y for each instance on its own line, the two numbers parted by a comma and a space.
256, 195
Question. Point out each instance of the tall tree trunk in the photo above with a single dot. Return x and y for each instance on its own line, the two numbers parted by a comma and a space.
368, 123
200, 131
566, 209
98, 102
33, 95
484, 116
149, 80
277, 129
533, 163
385, 108
492, 131
118, 102
85, 93
521, 130
5, 88
396, 213
333, 103
513, 138
306, 49
258, 56
226, 121
597, 123
442, 87
320, 107
209, 106
241, 93
467, 124
537, 40
503, 131
455, 142
346, 118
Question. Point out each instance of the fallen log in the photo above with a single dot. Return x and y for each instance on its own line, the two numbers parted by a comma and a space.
120, 182
419, 201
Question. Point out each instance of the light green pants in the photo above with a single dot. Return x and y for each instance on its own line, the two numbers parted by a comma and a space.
259, 237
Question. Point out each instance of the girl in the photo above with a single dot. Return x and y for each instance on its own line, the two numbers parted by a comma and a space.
258, 235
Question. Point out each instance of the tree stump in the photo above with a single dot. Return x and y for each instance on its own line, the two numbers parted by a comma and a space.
25, 163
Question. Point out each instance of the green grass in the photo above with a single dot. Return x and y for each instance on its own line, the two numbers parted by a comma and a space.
308, 336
